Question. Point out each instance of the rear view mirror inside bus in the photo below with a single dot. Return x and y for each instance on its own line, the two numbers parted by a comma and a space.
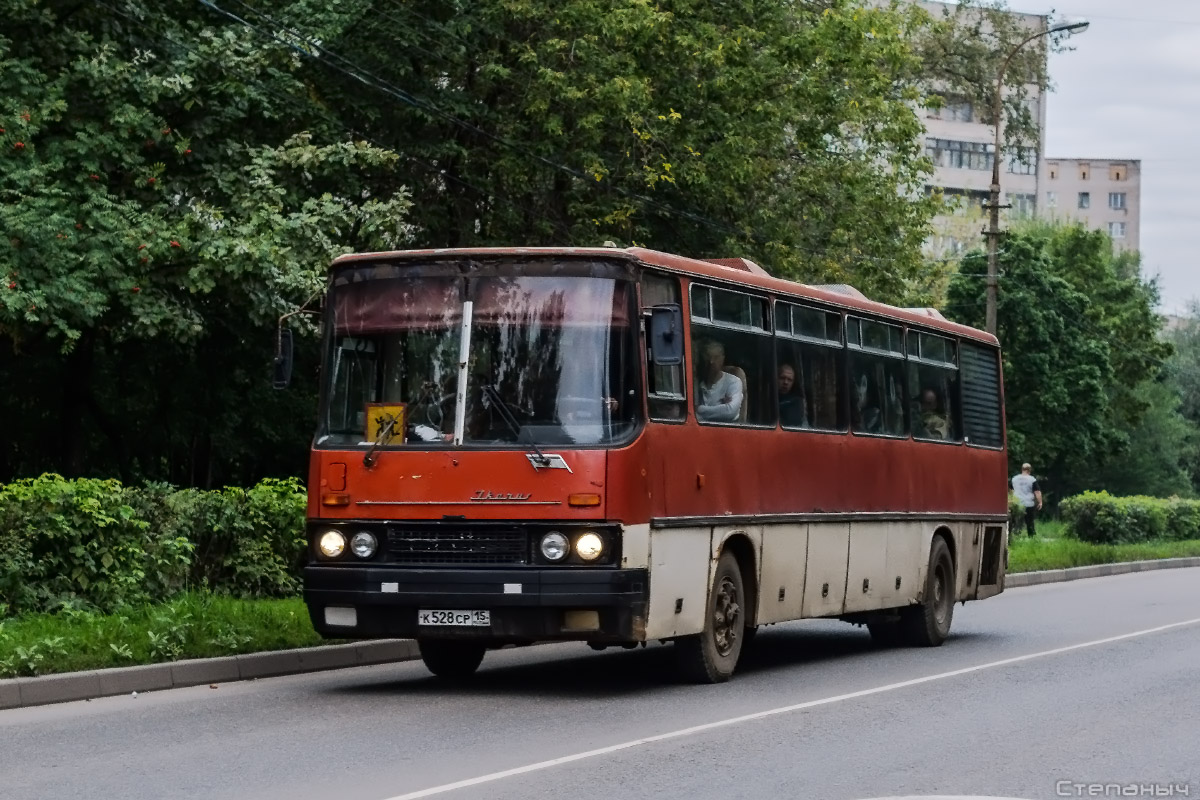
281, 374
666, 335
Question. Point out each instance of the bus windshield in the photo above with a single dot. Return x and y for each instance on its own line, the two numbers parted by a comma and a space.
552, 359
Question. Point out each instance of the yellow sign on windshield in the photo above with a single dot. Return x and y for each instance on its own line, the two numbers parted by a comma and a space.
389, 416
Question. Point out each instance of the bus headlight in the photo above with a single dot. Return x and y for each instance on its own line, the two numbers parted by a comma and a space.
363, 544
589, 546
332, 544
555, 546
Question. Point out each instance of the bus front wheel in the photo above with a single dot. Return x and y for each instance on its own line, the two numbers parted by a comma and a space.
712, 655
453, 660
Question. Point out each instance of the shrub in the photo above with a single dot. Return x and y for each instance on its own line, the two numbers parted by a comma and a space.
1100, 518
1183, 519
99, 545
1016, 511
69, 543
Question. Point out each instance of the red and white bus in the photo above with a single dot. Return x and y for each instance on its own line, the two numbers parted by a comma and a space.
620, 445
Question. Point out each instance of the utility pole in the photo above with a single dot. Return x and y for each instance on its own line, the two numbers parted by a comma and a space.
993, 232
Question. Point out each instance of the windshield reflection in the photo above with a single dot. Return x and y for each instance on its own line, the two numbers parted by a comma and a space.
554, 355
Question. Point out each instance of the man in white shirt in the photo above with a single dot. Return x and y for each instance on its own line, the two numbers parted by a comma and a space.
1026, 488
720, 397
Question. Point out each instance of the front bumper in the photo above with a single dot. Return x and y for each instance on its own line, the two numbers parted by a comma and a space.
526, 604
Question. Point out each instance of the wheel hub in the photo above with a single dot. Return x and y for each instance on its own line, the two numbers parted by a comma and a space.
727, 617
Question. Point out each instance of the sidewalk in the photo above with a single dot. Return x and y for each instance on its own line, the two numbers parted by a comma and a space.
67, 686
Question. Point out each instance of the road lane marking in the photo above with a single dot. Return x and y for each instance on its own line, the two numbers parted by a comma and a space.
709, 726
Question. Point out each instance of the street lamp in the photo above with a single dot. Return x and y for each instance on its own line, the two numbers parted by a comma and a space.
993, 232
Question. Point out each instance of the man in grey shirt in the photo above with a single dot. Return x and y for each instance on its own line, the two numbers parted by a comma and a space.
1026, 488
720, 392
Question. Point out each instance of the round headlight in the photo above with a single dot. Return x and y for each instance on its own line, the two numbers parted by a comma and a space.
332, 544
555, 546
589, 546
363, 544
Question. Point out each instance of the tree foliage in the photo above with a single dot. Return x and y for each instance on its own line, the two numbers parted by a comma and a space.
1080, 339
783, 132
168, 188
174, 176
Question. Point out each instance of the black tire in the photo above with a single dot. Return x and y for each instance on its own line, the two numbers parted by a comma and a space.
449, 659
712, 655
928, 623
749, 634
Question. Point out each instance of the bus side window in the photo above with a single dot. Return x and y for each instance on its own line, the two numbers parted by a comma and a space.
809, 342
735, 374
666, 392
878, 384
933, 388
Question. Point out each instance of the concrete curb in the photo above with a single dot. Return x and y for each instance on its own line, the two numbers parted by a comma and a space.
62, 688
1020, 579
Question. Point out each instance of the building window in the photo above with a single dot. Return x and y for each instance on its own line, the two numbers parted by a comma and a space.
1023, 161
1085, 200
959, 155
1053, 167
1084, 171
1051, 199
1116, 200
953, 110
1116, 230
1117, 172
1023, 205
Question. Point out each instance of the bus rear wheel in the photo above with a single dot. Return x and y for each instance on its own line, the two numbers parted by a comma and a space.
450, 659
928, 623
712, 655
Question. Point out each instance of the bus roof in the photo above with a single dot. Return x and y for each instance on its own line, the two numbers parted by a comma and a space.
739, 272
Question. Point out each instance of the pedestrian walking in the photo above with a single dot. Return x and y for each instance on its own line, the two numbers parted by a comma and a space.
1026, 488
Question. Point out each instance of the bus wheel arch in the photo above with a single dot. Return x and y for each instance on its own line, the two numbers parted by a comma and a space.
951, 543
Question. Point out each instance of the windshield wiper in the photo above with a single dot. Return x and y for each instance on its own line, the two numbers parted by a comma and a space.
370, 457
510, 418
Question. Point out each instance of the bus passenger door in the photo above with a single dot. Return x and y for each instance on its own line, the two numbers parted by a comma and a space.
826, 568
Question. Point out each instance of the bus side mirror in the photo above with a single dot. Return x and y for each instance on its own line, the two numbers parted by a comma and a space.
666, 335
282, 367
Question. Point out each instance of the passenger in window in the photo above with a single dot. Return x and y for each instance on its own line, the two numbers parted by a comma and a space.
792, 413
866, 413
720, 394
934, 422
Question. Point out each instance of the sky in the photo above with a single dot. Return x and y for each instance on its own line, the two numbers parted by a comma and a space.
1131, 89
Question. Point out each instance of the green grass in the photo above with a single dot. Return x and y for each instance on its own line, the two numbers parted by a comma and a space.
195, 625
1053, 549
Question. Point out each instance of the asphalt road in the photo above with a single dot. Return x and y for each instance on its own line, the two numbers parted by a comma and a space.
1033, 689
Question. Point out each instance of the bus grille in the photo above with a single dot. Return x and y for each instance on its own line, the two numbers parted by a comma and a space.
484, 546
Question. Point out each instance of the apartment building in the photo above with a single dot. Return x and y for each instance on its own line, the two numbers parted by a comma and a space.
1103, 194
962, 148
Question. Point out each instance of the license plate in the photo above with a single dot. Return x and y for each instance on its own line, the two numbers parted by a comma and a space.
455, 618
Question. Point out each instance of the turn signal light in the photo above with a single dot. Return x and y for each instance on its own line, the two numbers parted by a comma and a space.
583, 500
335, 498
